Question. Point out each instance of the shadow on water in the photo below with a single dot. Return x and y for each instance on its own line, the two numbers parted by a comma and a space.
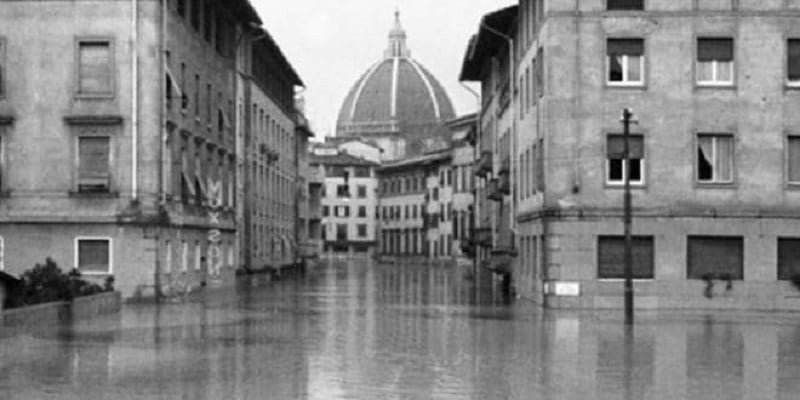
351, 329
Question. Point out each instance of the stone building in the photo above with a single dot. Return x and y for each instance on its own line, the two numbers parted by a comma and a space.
349, 202
713, 157
416, 206
135, 175
271, 160
397, 104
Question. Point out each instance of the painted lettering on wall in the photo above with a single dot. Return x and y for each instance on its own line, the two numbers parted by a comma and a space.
214, 256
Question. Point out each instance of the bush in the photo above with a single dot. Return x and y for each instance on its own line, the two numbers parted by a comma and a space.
46, 283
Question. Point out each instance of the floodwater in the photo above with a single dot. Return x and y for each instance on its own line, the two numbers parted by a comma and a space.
353, 330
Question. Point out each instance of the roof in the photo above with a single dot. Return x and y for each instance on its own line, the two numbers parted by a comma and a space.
487, 42
418, 161
244, 9
339, 159
396, 96
265, 41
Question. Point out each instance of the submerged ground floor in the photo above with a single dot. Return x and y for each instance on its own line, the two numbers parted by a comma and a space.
679, 262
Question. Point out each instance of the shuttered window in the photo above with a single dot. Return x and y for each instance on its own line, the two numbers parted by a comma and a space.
714, 49
615, 154
625, 5
715, 61
715, 257
95, 68
793, 159
788, 258
94, 256
611, 257
793, 61
93, 164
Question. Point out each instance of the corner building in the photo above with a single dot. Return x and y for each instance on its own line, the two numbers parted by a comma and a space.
713, 158
135, 174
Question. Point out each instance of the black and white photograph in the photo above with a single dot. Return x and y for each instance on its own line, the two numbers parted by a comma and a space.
400, 199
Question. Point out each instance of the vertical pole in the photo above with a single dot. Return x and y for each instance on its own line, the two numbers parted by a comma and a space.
626, 121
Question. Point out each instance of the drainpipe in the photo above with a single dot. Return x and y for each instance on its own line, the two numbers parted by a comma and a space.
134, 99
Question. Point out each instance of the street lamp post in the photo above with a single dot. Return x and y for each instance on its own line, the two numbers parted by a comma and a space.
627, 116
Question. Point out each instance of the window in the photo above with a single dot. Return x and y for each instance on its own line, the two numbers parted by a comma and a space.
95, 72
793, 160
362, 192
716, 257
325, 211
612, 5
195, 17
93, 255
793, 62
2, 68
342, 191
625, 61
616, 170
93, 164
181, 7
361, 172
436, 194
362, 211
611, 257
715, 61
362, 230
341, 231
788, 258
207, 22
714, 158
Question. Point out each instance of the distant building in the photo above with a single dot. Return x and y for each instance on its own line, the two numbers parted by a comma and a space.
713, 159
397, 104
349, 203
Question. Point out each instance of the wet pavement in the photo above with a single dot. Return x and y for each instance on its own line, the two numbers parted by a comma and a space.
352, 330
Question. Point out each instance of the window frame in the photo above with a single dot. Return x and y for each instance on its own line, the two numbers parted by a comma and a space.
112, 67
642, 182
714, 83
643, 7
76, 254
652, 241
76, 186
740, 239
791, 84
626, 67
714, 182
788, 182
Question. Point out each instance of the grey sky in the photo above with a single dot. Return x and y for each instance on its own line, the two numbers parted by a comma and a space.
332, 42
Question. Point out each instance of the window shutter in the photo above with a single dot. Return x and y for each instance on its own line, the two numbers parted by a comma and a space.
625, 5
93, 154
95, 67
93, 255
631, 47
717, 49
794, 159
615, 149
715, 255
793, 68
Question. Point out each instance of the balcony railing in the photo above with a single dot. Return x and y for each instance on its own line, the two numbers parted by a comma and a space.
484, 164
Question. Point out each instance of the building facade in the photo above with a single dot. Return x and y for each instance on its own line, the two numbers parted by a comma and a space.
271, 161
712, 157
349, 202
136, 175
416, 207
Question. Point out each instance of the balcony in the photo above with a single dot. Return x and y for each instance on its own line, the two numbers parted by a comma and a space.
493, 190
484, 164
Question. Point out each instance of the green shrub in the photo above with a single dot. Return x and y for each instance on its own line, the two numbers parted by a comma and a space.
46, 283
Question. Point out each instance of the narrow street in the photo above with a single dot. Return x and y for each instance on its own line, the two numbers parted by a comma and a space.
351, 330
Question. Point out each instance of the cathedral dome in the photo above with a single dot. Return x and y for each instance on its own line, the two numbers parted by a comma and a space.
396, 96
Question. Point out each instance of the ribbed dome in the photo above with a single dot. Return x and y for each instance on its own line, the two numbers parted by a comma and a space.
397, 96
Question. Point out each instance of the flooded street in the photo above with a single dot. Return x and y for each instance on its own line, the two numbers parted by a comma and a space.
352, 330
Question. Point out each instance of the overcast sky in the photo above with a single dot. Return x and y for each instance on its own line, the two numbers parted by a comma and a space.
331, 43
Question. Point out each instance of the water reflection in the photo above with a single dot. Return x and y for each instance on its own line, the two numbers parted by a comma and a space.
353, 330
